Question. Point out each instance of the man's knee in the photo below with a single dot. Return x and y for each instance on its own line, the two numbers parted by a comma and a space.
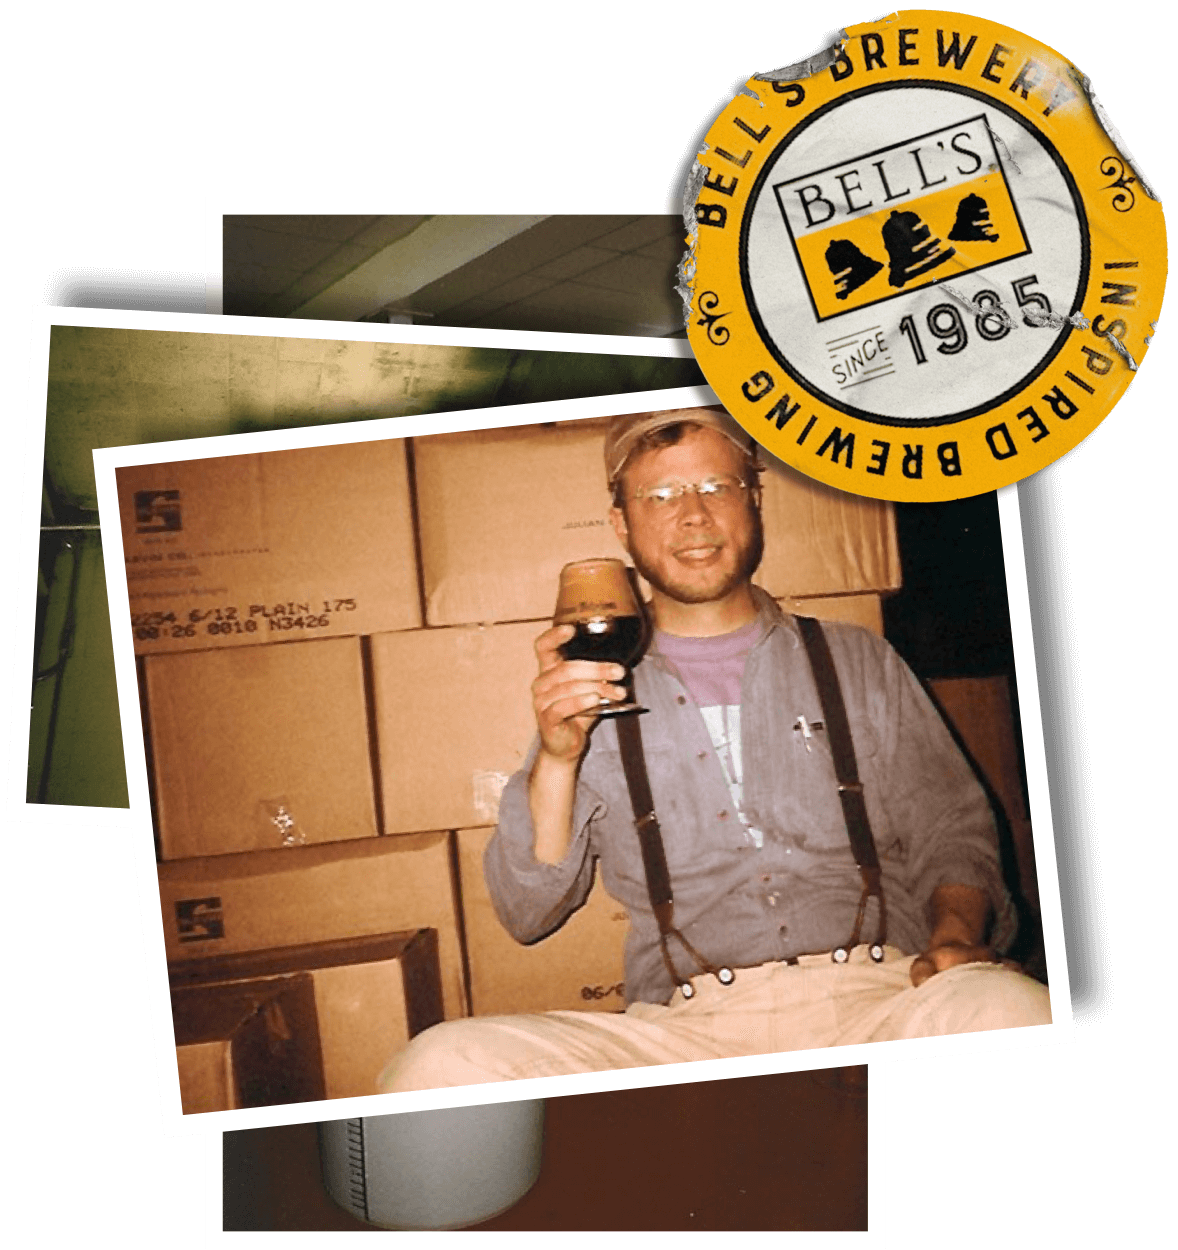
438, 1057
973, 997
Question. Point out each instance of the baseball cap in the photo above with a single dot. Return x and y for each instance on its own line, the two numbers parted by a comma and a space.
625, 431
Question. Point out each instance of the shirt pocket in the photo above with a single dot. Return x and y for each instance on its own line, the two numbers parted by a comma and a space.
795, 793
689, 794
865, 742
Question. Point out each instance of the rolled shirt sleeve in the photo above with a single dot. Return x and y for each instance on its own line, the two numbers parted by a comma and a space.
953, 835
532, 898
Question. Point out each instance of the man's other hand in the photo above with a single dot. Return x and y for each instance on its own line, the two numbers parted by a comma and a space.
949, 955
959, 914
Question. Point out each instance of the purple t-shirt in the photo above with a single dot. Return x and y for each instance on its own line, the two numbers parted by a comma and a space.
712, 669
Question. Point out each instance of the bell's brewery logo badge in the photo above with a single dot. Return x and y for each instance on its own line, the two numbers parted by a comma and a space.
920, 265
891, 221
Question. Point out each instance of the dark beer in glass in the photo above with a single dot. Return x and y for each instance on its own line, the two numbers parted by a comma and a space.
596, 596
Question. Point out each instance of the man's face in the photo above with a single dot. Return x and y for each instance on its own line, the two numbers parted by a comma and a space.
692, 550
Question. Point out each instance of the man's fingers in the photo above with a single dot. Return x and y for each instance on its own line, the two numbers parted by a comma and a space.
575, 699
562, 678
567, 694
939, 958
548, 645
922, 968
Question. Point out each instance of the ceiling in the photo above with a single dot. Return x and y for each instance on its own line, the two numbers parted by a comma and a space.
577, 274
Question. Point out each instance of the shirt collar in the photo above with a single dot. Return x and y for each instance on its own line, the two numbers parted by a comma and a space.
771, 615
774, 616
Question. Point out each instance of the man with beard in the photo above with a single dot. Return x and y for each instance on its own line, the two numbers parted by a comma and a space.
764, 933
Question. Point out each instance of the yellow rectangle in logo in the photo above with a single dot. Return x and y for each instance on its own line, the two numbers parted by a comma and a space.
928, 239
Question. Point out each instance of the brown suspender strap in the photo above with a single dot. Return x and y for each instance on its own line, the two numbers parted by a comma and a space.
846, 771
654, 859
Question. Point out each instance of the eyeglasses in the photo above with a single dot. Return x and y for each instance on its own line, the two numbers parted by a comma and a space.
722, 490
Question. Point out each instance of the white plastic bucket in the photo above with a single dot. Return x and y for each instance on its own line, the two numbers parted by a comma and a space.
434, 1169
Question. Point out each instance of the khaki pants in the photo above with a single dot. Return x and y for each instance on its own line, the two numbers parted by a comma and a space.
771, 1008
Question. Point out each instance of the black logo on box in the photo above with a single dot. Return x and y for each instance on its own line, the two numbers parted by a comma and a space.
157, 511
199, 919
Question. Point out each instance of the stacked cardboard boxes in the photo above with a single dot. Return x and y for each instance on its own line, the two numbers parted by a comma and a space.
501, 511
343, 786
224, 905
268, 547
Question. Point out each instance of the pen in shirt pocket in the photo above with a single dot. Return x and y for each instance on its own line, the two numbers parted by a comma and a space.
808, 729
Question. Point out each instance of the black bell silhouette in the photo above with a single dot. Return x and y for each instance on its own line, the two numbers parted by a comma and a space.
973, 223
851, 268
911, 249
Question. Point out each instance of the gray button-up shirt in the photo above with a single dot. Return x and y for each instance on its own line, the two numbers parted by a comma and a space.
797, 894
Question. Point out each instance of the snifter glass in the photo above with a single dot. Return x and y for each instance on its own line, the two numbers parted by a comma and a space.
598, 597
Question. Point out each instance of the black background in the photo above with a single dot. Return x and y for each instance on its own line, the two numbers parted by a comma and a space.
119, 209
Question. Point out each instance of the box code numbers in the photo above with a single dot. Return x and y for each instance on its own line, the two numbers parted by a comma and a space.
592, 993
150, 626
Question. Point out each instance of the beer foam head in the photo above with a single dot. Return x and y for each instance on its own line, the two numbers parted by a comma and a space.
626, 431
598, 587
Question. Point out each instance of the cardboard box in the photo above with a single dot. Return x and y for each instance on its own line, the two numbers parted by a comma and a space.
371, 996
820, 541
581, 967
229, 904
501, 511
259, 747
253, 1045
453, 720
270, 546
865, 610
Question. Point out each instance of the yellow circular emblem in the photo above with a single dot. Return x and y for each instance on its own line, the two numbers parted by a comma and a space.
922, 265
